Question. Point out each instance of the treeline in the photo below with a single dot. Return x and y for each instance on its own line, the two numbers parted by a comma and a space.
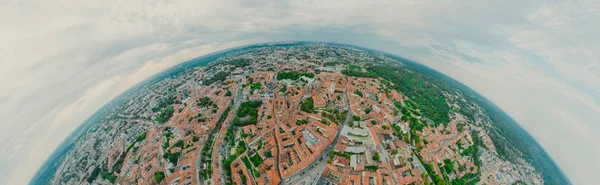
293, 75
473, 150
241, 62
328, 64
206, 151
239, 150
352, 70
218, 77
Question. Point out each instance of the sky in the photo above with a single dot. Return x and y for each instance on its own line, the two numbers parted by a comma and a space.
62, 60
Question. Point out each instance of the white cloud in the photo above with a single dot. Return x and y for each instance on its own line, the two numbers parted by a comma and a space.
63, 60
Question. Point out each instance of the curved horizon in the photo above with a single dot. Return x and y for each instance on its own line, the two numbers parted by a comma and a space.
209, 58
62, 62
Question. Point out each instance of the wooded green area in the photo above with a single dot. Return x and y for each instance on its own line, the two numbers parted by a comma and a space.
353, 70
218, 77
429, 99
249, 108
293, 75
308, 105
204, 102
511, 141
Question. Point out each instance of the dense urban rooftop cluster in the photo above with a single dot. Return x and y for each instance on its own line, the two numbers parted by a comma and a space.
298, 114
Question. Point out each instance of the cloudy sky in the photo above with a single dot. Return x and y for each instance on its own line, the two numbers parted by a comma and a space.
62, 60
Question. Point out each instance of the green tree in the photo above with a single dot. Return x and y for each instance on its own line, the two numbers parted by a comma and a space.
158, 176
376, 156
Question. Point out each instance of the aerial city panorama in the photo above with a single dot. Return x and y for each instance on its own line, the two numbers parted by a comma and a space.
300, 113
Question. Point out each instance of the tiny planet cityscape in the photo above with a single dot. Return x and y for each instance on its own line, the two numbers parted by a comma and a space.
300, 113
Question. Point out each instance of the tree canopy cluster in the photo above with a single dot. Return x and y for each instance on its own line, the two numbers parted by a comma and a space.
240, 62
249, 108
429, 99
217, 77
307, 105
165, 115
208, 145
204, 102
293, 75
159, 176
353, 70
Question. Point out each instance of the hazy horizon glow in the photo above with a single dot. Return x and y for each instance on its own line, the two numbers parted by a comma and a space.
61, 61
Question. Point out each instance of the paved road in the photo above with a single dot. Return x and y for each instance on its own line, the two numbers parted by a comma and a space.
275, 135
312, 174
319, 162
236, 102
420, 166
